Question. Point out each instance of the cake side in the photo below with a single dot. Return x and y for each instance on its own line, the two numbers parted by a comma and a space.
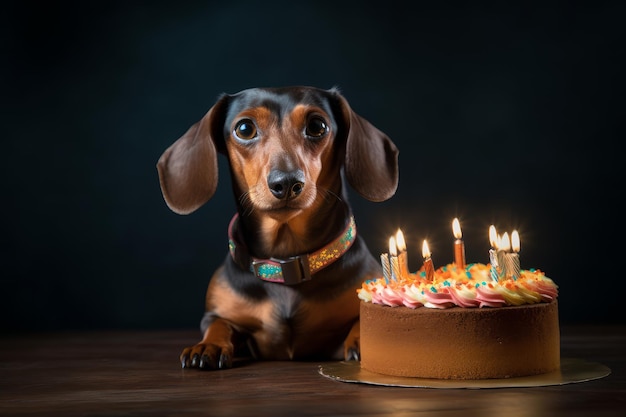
460, 343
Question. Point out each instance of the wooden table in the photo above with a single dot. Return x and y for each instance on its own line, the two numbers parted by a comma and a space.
137, 373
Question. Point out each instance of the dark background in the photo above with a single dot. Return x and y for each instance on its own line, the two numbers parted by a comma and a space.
505, 115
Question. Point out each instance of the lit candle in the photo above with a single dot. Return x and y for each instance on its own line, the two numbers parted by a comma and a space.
504, 245
459, 246
384, 261
403, 260
493, 259
428, 262
515, 263
393, 259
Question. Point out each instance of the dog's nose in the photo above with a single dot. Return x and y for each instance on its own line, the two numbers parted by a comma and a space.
285, 185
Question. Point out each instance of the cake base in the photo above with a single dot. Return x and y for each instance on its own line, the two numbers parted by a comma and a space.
572, 371
460, 343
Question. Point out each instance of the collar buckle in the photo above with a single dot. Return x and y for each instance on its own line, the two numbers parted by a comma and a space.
293, 270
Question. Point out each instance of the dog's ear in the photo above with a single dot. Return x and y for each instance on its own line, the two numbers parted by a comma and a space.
188, 168
371, 162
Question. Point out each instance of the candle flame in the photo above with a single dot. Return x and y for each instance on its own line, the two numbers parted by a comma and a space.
456, 228
505, 243
425, 250
393, 248
493, 237
515, 243
400, 243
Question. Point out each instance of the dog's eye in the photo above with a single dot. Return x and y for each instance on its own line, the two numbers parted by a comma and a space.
245, 129
316, 127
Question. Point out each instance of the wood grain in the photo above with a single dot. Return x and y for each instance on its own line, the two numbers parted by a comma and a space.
137, 373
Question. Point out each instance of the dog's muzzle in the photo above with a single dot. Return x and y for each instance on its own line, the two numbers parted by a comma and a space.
285, 184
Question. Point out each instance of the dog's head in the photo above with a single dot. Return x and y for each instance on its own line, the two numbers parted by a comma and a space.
286, 148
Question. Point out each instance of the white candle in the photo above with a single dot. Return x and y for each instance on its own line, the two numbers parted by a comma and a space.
393, 259
384, 261
504, 246
403, 260
493, 259
428, 262
515, 262
459, 246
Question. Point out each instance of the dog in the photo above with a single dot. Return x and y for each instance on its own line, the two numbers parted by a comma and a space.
287, 288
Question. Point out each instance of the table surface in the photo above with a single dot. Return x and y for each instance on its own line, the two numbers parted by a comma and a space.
137, 373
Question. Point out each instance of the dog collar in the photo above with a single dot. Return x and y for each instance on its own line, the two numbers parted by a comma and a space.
295, 269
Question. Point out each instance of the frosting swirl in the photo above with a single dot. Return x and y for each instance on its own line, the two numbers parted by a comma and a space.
468, 287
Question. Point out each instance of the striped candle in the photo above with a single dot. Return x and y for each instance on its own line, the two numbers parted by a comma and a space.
493, 258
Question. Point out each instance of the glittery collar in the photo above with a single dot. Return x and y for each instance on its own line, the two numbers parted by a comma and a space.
295, 269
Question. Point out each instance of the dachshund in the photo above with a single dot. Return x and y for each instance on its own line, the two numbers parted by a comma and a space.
287, 288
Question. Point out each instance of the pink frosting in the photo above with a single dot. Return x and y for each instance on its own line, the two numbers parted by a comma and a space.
391, 297
488, 297
546, 289
440, 298
463, 296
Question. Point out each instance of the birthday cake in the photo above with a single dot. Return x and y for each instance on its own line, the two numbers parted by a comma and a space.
479, 321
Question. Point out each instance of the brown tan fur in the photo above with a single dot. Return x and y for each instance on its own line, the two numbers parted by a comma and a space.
288, 167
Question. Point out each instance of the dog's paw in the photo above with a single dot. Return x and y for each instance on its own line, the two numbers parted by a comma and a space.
352, 344
351, 350
352, 354
207, 356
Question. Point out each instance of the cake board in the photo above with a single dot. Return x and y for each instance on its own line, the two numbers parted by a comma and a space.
572, 371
